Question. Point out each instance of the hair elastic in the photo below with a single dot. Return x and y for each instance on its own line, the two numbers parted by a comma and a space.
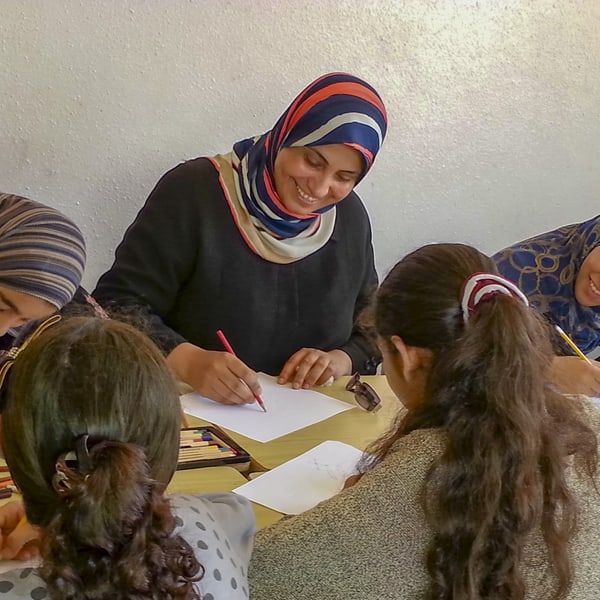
64, 476
480, 287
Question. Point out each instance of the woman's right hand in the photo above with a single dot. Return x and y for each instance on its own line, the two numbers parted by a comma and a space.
576, 376
219, 376
18, 541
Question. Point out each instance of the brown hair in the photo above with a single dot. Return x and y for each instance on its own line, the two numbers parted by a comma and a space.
508, 432
110, 530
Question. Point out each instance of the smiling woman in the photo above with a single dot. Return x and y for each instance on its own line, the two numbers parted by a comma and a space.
268, 243
310, 179
42, 256
559, 271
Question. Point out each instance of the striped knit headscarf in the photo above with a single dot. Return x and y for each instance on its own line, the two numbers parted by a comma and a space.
42, 253
335, 109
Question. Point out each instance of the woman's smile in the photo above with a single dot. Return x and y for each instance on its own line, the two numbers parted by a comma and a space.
304, 196
312, 178
594, 289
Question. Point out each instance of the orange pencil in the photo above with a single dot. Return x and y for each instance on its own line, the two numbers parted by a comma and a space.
229, 349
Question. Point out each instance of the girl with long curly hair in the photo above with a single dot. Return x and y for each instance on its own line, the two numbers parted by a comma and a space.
485, 487
91, 436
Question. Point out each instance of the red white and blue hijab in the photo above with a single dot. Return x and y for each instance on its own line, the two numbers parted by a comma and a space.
337, 108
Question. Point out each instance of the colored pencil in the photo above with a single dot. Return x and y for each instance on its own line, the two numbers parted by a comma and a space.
572, 345
229, 349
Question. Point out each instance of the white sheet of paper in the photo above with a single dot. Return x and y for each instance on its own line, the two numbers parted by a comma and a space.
596, 401
304, 481
287, 410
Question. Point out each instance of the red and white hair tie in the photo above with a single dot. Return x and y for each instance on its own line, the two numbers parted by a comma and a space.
480, 287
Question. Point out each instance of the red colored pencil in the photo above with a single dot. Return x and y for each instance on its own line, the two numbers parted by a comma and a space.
229, 349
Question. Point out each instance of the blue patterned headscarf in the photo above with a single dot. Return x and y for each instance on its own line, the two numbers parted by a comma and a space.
545, 268
42, 252
335, 109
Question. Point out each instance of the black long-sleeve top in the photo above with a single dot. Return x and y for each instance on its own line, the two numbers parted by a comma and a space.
184, 262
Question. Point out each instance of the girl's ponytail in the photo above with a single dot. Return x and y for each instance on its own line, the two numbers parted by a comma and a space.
113, 527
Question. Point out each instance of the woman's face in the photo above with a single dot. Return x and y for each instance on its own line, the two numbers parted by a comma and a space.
310, 178
16, 308
587, 282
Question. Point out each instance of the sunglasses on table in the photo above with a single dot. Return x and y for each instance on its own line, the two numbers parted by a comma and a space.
364, 395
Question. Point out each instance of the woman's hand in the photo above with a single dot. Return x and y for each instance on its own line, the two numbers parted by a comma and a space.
310, 366
576, 376
219, 376
17, 541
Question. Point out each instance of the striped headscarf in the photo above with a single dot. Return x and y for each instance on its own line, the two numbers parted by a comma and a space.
545, 267
337, 108
42, 253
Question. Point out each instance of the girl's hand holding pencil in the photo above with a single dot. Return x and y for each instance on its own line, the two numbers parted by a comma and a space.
576, 374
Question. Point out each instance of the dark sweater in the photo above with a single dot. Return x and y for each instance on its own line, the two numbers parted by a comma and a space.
184, 262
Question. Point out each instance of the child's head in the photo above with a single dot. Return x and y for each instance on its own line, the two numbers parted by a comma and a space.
419, 315
91, 435
86, 376
419, 300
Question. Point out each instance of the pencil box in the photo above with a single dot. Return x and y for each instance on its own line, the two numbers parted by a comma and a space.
210, 447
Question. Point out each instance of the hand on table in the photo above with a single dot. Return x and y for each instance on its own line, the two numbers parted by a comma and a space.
219, 376
17, 542
310, 366
576, 376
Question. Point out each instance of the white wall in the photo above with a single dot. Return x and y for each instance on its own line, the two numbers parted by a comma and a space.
494, 105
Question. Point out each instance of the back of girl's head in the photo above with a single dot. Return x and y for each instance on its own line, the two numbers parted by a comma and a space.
502, 344
508, 432
420, 299
90, 433
87, 376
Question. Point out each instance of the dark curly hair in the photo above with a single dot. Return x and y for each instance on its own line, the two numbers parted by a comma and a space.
509, 434
107, 529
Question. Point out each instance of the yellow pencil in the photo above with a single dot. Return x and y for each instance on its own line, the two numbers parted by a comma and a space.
572, 345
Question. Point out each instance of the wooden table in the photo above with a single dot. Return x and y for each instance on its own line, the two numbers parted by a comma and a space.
355, 427
218, 479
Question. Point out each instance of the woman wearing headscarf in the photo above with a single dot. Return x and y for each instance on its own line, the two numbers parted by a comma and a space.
268, 243
42, 257
559, 271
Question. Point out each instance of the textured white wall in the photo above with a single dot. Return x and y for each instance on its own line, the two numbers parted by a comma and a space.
494, 105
